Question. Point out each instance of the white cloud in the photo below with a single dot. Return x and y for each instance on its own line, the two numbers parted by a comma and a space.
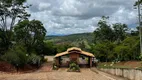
78, 16
43, 6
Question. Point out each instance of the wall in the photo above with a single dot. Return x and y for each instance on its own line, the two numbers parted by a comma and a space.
74, 57
65, 61
131, 74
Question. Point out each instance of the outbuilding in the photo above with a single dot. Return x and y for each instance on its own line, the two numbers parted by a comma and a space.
82, 58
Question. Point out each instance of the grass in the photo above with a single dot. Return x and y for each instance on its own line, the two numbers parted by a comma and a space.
118, 65
114, 67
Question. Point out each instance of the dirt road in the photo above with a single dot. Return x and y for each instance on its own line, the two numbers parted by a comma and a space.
45, 73
61, 74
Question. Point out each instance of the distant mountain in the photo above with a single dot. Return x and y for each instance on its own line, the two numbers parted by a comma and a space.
73, 38
58, 35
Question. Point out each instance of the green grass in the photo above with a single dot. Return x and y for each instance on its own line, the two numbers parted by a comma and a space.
109, 65
124, 67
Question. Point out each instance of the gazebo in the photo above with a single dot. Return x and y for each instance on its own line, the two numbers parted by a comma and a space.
74, 54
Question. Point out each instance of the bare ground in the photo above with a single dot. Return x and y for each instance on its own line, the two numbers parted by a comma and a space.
46, 73
61, 74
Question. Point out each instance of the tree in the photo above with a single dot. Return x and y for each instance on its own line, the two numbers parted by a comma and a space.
114, 43
32, 33
49, 48
11, 11
104, 32
138, 4
104, 51
128, 49
133, 44
84, 45
134, 33
120, 31
122, 52
62, 47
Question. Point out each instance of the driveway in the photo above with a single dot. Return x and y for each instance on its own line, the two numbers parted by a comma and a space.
61, 74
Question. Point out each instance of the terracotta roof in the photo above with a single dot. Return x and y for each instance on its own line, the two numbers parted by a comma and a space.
74, 48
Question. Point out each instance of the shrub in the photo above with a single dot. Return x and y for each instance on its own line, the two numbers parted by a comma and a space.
55, 67
45, 59
140, 57
74, 67
16, 56
34, 59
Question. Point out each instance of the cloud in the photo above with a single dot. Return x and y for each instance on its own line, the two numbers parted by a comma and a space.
78, 16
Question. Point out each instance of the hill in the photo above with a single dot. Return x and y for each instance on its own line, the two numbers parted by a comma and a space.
71, 38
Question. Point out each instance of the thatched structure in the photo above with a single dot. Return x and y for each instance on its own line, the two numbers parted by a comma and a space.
74, 54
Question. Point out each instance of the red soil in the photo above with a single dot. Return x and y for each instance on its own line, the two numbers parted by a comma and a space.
6, 67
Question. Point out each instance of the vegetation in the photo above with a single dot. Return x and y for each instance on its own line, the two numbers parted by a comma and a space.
55, 67
109, 42
113, 42
11, 11
20, 43
24, 42
31, 33
62, 43
16, 56
122, 65
71, 38
73, 67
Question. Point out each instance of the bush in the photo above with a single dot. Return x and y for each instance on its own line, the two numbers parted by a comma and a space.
16, 56
74, 67
45, 59
55, 67
34, 59
140, 57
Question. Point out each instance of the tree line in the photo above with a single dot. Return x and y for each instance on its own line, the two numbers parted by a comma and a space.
115, 42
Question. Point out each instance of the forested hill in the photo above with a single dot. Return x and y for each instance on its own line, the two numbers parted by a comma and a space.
71, 38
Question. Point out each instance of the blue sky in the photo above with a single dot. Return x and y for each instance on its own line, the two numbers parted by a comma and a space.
79, 16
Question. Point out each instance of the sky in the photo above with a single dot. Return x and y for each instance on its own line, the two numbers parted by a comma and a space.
63, 17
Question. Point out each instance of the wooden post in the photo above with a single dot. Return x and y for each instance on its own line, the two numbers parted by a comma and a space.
57, 61
90, 61
60, 61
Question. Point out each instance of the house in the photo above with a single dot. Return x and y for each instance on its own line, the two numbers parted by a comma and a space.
74, 54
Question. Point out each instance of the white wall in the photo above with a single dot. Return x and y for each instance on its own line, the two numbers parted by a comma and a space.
131, 74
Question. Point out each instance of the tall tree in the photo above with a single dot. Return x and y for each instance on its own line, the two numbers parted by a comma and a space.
104, 32
138, 4
32, 33
11, 11
120, 31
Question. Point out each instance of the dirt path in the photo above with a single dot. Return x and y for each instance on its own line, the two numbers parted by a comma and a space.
61, 74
